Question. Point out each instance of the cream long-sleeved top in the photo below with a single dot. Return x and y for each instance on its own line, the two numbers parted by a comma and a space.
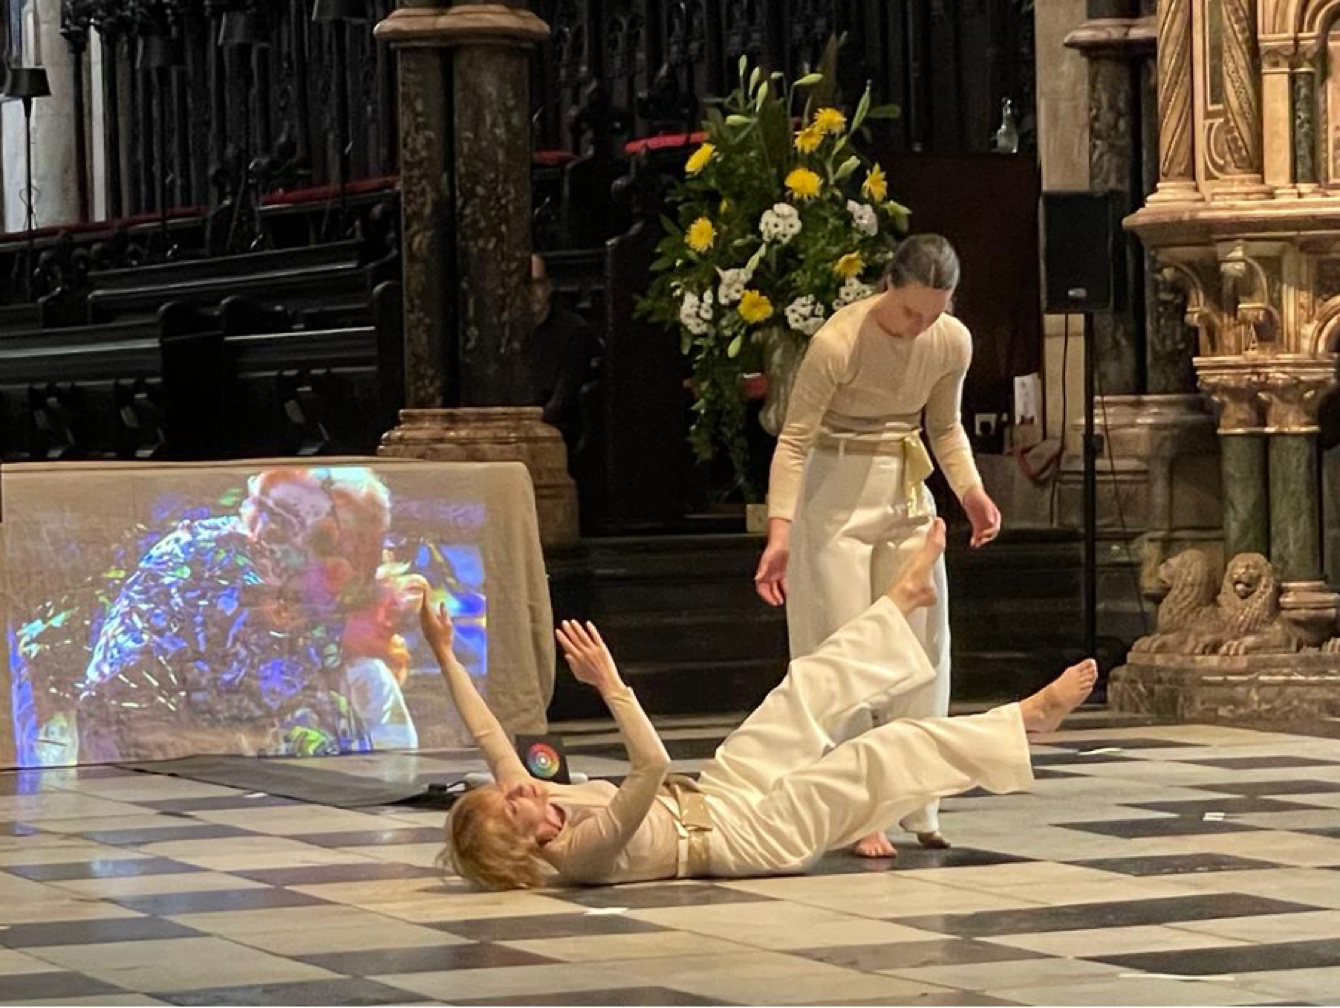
856, 378
610, 834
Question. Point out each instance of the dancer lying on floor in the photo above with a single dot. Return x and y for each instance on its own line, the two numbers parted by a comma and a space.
776, 796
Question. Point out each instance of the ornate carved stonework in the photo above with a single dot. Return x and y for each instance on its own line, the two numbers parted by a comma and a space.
1293, 393
1177, 168
1237, 392
1239, 132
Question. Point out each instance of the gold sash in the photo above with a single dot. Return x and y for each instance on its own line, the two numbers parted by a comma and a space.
917, 463
693, 822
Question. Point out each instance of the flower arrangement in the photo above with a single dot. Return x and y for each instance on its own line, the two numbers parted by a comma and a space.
779, 221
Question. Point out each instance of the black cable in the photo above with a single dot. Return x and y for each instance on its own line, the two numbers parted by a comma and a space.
1065, 414
1121, 516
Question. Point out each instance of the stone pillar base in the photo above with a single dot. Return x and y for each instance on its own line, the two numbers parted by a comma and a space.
1176, 192
1233, 188
1259, 688
1310, 607
496, 434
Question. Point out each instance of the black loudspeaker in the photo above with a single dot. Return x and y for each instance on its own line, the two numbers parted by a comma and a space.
1081, 249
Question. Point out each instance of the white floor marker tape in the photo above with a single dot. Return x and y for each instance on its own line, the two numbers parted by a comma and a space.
1176, 976
1101, 752
605, 911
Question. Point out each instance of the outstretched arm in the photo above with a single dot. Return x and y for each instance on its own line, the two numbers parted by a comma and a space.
602, 836
489, 735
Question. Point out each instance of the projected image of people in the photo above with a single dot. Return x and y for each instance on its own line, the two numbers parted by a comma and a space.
270, 623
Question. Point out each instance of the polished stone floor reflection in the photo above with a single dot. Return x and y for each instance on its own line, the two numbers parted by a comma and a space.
1153, 865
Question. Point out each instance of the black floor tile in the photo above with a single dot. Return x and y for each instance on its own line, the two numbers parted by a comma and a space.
40, 986
356, 872
952, 999
1232, 959
174, 904
911, 857
1263, 762
1269, 788
423, 959
374, 838
24, 936
216, 804
1175, 864
187, 831
344, 991
913, 955
1199, 807
698, 894
118, 868
1085, 916
1076, 760
1089, 744
576, 925
632, 996
1133, 829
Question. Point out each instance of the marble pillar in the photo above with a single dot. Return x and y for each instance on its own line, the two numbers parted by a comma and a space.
1243, 456
1295, 533
1247, 498
465, 184
425, 200
1117, 43
493, 217
1304, 131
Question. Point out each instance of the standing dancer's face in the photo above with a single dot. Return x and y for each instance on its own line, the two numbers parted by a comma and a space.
907, 312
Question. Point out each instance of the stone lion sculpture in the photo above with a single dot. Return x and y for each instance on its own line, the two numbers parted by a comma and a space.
1188, 616
1250, 604
1242, 618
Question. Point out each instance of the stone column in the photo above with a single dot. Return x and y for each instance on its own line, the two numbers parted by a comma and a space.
1294, 390
1242, 454
478, 152
1240, 67
1304, 133
1177, 163
1116, 41
55, 183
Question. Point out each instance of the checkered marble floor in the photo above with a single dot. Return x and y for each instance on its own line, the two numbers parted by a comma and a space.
1153, 865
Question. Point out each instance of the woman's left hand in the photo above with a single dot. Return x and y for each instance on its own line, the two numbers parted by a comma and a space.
983, 514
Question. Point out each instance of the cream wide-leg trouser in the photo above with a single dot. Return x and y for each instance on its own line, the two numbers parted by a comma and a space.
853, 531
781, 795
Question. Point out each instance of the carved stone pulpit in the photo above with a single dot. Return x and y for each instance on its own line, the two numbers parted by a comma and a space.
1246, 221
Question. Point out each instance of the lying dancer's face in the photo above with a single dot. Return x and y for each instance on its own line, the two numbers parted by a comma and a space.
909, 311
526, 807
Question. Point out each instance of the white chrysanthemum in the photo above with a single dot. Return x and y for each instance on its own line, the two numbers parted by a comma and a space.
733, 283
780, 223
852, 291
694, 314
863, 217
805, 315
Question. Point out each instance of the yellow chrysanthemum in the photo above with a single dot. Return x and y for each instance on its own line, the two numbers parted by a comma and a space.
698, 159
830, 120
808, 139
876, 186
849, 265
755, 307
701, 234
803, 183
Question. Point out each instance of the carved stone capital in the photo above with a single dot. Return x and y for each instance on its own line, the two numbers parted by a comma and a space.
1293, 392
1115, 38
463, 25
1236, 390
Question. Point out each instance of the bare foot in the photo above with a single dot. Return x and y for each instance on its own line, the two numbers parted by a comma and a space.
876, 845
934, 840
1045, 710
915, 586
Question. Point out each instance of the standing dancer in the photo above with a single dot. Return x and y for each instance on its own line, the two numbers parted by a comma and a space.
847, 505
776, 796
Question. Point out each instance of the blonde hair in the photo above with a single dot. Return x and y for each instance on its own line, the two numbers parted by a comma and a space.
483, 848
